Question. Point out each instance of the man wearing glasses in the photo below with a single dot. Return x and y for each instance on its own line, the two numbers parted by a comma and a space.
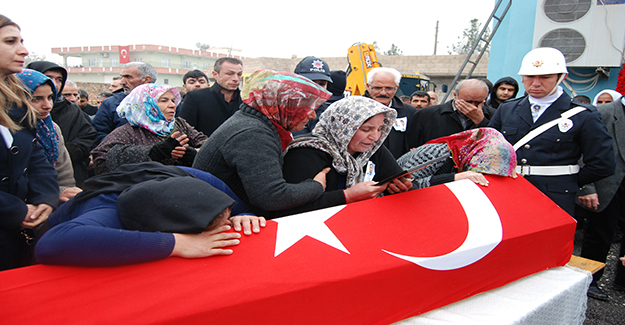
382, 84
466, 111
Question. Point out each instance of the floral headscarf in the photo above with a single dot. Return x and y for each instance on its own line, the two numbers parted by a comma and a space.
284, 97
46, 134
336, 128
140, 108
482, 150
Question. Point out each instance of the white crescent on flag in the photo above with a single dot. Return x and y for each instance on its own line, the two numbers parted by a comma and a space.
124, 53
485, 231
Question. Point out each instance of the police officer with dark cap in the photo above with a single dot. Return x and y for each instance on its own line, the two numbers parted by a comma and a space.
318, 71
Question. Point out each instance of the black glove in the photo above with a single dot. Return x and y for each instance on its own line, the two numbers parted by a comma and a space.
187, 158
163, 149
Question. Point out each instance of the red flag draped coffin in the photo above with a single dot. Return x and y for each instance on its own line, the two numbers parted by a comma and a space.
376, 261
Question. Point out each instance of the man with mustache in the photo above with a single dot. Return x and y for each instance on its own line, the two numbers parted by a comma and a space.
382, 85
133, 74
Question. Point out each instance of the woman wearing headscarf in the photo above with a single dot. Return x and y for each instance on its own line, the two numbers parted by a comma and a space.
144, 212
349, 140
471, 153
28, 187
151, 134
246, 150
43, 95
606, 96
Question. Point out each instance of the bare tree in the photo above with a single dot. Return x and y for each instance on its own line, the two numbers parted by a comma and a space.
469, 36
394, 50
34, 56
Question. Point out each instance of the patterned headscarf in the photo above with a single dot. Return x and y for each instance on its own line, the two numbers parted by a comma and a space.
46, 134
284, 97
140, 108
482, 150
336, 128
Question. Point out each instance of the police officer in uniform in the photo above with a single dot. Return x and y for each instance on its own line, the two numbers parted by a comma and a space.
558, 131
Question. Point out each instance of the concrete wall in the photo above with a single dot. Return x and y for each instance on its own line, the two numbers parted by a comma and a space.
440, 68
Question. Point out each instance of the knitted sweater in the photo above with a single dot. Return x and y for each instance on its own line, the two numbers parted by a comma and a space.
246, 153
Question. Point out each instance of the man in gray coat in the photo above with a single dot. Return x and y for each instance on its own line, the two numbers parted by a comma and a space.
606, 200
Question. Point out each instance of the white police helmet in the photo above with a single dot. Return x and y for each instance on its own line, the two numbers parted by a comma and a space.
542, 61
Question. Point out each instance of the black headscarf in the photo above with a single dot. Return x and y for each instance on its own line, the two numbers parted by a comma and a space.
126, 176
43, 66
174, 205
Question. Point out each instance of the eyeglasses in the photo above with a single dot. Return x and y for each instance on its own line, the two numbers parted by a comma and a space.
387, 89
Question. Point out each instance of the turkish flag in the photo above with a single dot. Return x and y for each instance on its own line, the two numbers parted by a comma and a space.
374, 262
124, 54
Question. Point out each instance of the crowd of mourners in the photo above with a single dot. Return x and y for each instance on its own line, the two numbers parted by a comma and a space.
151, 173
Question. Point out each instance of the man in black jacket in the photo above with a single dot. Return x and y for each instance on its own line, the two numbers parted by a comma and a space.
79, 135
504, 89
466, 111
206, 109
382, 85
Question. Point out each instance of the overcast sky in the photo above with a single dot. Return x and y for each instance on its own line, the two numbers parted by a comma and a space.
271, 28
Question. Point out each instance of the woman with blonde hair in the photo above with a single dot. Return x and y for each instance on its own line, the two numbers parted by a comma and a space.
24, 203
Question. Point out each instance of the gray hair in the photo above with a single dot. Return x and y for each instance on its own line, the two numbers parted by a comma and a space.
374, 71
71, 83
471, 83
144, 70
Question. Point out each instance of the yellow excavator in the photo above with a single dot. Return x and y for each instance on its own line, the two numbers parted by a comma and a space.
362, 58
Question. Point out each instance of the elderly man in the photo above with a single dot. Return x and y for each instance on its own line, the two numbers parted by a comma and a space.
206, 109
70, 92
382, 85
420, 99
466, 111
562, 131
504, 89
133, 74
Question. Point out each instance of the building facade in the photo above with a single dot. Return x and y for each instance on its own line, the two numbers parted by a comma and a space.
99, 64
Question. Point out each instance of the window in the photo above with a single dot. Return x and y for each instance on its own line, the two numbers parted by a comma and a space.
114, 62
194, 65
91, 63
165, 63
99, 63
138, 60
186, 65
166, 81
205, 66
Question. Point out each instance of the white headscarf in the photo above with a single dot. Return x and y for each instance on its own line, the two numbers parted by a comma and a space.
615, 95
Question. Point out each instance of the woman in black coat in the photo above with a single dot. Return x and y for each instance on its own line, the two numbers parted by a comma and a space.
28, 184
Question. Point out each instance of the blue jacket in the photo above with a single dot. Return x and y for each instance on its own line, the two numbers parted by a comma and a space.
587, 137
106, 119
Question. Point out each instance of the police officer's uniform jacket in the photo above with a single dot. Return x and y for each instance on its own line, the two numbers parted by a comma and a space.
560, 145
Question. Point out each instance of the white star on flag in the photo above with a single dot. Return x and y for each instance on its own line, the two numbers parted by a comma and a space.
293, 228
